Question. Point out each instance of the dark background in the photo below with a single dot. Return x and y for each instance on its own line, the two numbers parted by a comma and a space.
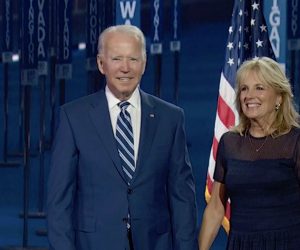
204, 33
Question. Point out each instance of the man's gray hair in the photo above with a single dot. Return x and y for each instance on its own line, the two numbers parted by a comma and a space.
127, 29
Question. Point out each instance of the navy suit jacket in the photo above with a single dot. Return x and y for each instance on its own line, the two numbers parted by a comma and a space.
88, 198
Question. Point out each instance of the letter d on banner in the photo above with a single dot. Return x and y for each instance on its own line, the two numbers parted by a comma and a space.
128, 12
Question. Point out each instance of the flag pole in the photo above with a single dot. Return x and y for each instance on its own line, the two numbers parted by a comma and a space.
52, 66
175, 45
5, 162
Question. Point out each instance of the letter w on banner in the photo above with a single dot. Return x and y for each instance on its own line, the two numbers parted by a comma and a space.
248, 38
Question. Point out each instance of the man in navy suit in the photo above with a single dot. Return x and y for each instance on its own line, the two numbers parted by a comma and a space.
92, 205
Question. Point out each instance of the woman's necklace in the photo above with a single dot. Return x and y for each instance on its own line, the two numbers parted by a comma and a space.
252, 144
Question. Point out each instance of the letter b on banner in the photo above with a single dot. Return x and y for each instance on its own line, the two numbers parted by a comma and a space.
128, 12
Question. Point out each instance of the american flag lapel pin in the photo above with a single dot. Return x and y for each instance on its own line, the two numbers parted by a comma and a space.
151, 115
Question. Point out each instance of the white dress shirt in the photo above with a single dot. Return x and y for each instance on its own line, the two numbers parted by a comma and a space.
134, 110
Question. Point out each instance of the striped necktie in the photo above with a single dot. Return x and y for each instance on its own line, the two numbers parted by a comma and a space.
124, 137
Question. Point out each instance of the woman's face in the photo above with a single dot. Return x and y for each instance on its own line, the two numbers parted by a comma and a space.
258, 99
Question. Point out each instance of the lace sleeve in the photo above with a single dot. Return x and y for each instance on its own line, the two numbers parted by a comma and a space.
297, 158
219, 174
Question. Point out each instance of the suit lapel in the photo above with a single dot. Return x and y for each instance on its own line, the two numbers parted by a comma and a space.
149, 121
101, 119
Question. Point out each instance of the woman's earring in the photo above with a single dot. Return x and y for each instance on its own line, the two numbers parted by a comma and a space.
277, 106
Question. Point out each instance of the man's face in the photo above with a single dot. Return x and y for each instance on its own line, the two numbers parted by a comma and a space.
122, 63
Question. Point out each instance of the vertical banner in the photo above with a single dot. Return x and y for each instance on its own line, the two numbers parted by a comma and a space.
64, 39
110, 12
52, 53
102, 15
43, 43
293, 24
156, 47
176, 25
293, 36
7, 31
128, 12
6, 59
29, 41
52, 26
275, 13
156, 27
175, 43
43, 36
93, 30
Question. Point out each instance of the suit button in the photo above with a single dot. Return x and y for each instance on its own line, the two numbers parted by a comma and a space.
129, 191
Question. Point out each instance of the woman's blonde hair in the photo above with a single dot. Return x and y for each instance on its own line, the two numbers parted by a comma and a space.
269, 72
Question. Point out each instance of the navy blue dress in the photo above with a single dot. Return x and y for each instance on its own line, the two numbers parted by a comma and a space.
262, 179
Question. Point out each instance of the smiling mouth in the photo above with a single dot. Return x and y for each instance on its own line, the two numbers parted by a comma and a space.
125, 79
252, 105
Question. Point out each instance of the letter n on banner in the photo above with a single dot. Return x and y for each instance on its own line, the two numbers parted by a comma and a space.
29, 60
128, 12
64, 39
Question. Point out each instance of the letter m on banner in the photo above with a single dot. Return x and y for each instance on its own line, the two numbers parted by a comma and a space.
128, 12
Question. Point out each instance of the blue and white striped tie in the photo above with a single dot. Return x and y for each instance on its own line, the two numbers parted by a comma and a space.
124, 137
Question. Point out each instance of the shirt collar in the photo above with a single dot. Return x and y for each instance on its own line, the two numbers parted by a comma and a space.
113, 101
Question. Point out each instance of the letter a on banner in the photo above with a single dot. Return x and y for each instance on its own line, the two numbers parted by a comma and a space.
128, 12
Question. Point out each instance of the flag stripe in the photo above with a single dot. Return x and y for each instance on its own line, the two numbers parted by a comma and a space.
225, 113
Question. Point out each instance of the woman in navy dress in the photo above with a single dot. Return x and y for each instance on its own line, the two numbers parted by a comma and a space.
258, 166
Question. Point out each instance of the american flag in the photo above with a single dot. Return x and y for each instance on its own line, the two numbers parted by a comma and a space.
247, 38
